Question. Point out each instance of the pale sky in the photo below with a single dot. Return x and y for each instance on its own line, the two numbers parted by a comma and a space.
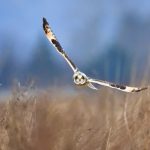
21, 21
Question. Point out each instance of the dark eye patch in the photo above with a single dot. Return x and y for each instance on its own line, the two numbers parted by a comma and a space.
76, 77
82, 77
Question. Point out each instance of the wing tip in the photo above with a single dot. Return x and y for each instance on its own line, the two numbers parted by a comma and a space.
140, 89
45, 21
45, 24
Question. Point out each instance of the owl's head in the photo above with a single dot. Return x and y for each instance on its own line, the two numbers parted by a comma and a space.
80, 78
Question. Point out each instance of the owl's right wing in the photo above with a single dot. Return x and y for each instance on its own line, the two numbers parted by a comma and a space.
52, 38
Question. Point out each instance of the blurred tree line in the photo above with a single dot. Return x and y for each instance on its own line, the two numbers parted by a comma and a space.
42, 68
110, 42
115, 64
120, 60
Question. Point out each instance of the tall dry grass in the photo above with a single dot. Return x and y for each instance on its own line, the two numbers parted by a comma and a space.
53, 120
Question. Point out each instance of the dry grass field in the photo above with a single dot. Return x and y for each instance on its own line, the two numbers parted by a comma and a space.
55, 120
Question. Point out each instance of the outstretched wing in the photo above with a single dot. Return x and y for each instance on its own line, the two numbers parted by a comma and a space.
118, 87
52, 38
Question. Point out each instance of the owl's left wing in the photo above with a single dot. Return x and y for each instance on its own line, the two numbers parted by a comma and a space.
117, 86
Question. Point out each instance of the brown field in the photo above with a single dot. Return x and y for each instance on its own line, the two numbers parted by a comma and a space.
101, 120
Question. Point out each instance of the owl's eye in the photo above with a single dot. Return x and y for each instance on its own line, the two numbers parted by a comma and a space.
82, 77
76, 77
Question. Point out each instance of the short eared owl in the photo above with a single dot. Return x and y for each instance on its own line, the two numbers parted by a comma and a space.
79, 77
